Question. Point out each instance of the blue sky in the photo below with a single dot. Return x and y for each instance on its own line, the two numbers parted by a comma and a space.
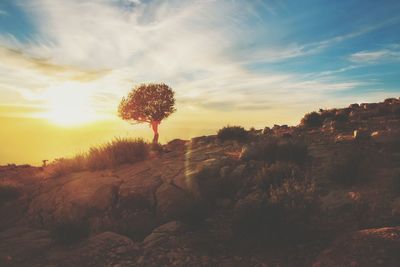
233, 59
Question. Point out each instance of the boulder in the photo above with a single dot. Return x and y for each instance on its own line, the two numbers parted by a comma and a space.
173, 202
361, 134
163, 233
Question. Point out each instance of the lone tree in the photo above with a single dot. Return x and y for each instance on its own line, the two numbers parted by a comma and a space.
148, 103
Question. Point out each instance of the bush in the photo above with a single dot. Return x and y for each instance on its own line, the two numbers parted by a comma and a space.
237, 133
276, 173
117, 152
347, 169
70, 231
296, 202
281, 214
271, 151
312, 119
8, 192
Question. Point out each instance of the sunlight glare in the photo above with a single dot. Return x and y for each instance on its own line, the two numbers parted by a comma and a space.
69, 105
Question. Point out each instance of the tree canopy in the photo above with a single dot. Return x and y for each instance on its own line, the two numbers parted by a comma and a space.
148, 103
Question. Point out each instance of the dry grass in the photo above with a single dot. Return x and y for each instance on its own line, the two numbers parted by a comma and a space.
109, 155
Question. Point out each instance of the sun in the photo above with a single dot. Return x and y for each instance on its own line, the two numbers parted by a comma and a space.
69, 105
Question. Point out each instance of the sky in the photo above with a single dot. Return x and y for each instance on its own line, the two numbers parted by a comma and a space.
65, 65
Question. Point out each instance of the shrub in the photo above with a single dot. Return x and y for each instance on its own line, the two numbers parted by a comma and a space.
109, 155
296, 201
237, 133
70, 231
347, 169
276, 173
312, 119
283, 213
271, 151
8, 192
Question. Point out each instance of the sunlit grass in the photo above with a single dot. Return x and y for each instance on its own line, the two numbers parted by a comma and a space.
109, 155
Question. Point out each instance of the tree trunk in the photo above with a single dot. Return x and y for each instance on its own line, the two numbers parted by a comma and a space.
154, 126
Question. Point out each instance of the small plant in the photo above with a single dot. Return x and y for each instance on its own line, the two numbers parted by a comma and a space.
8, 192
70, 231
237, 133
313, 119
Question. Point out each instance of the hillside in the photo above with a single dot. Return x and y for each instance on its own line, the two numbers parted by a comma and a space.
323, 193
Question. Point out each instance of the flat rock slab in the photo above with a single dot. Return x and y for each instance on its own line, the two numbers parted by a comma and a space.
366, 248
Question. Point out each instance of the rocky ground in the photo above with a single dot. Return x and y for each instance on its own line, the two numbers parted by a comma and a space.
213, 202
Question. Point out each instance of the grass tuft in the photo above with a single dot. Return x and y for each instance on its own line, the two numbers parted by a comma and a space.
112, 154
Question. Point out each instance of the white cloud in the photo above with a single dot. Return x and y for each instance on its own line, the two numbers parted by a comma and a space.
192, 45
389, 54
3, 13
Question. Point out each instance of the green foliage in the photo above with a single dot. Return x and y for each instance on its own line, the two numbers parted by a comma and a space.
8, 192
313, 119
237, 133
110, 155
70, 231
148, 103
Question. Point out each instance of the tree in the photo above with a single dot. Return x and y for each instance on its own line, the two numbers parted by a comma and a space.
148, 103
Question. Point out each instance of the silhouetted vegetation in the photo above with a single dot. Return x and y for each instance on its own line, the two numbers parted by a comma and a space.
148, 103
272, 151
8, 192
313, 119
317, 119
70, 231
237, 133
347, 169
276, 173
281, 213
117, 152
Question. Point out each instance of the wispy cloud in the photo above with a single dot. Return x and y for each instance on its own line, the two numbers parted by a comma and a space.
387, 54
3, 13
195, 46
